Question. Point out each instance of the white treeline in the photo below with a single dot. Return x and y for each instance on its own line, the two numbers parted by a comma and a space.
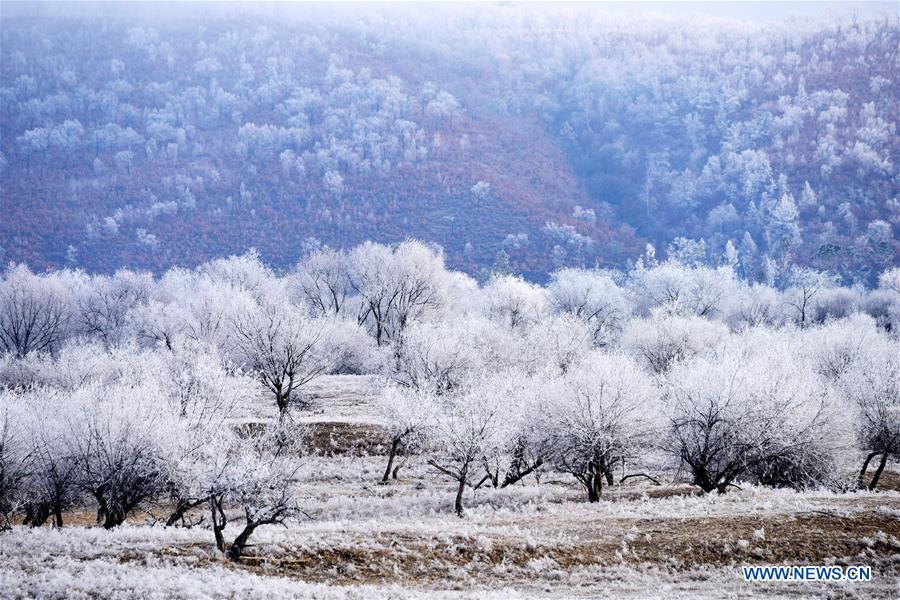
121, 391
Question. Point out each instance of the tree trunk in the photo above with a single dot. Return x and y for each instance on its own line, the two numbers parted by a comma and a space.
591, 489
458, 505
282, 401
703, 481
217, 524
36, 514
598, 485
606, 468
240, 542
878, 471
180, 509
113, 519
862, 474
57, 517
393, 452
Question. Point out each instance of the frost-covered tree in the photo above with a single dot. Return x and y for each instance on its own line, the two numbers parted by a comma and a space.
661, 341
52, 484
34, 312
470, 429
256, 475
513, 301
396, 285
201, 396
754, 305
244, 273
282, 347
758, 415
677, 289
803, 287
106, 309
598, 413
438, 357
873, 386
593, 297
556, 341
322, 281
114, 434
407, 413
15, 461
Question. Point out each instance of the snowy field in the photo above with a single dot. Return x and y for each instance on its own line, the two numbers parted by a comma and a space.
364, 540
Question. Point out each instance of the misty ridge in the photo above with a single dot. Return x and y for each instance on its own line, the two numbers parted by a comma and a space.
563, 136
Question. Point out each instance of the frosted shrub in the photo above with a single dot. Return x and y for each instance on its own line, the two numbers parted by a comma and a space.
471, 428
760, 416
596, 414
407, 414
873, 388
661, 341
593, 297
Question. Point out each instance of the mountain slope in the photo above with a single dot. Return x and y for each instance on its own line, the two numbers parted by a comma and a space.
561, 135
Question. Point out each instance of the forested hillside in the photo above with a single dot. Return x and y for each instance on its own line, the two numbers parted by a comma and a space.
564, 137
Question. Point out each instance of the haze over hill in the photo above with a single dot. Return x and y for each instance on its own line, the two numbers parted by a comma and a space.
564, 136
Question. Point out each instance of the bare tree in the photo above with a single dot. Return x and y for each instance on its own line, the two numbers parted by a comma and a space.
598, 413
396, 285
282, 347
873, 385
322, 280
34, 312
762, 416
470, 429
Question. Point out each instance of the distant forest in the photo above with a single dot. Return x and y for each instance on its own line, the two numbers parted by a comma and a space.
534, 137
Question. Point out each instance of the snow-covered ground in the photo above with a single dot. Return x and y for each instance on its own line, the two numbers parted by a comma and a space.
364, 540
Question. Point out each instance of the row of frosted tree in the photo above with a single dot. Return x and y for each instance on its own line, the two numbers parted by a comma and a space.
127, 391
